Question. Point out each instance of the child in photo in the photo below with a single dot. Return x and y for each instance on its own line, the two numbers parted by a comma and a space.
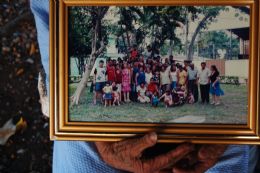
151, 88
155, 99
100, 78
116, 96
111, 72
176, 98
107, 94
156, 78
141, 92
167, 96
190, 98
182, 94
181, 91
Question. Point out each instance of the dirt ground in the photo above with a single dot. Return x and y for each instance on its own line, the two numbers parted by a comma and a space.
30, 151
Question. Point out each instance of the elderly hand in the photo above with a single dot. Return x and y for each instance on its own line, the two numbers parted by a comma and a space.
201, 160
126, 155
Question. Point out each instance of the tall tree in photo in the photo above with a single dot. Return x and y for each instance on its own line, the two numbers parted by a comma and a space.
80, 37
160, 24
97, 47
209, 14
127, 21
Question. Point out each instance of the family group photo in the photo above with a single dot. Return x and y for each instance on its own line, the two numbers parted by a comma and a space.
159, 64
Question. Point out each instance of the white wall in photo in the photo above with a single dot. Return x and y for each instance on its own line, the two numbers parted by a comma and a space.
238, 68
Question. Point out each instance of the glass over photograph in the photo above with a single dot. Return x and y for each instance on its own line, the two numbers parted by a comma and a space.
159, 64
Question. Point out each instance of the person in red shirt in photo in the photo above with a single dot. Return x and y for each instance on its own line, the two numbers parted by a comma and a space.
134, 54
152, 88
111, 72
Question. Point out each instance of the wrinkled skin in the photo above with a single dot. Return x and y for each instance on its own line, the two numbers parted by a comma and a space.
126, 155
200, 160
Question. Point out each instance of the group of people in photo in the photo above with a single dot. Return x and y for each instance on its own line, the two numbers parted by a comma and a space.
149, 78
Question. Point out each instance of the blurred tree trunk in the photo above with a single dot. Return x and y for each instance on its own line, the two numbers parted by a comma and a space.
171, 47
128, 40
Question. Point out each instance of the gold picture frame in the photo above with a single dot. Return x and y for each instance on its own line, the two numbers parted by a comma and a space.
62, 129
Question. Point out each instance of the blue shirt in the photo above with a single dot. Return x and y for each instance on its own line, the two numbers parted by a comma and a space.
141, 78
82, 157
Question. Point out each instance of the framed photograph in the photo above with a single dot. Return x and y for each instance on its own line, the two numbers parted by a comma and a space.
187, 70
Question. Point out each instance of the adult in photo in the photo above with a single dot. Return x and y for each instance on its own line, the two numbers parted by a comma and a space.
100, 79
148, 75
192, 81
141, 91
215, 89
182, 78
204, 82
140, 76
164, 79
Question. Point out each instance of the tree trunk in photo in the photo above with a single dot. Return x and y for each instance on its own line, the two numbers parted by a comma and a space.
152, 35
123, 39
83, 83
81, 64
199, 27
155, 30
171, 47
186, 32
128, 40
125, 47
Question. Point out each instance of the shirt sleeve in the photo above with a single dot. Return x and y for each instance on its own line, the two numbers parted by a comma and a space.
78, 157
40, 9
237, 158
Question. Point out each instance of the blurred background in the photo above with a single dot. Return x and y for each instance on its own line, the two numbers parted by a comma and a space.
29, 149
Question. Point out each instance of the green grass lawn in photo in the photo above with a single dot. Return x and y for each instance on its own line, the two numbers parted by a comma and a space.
233, 109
